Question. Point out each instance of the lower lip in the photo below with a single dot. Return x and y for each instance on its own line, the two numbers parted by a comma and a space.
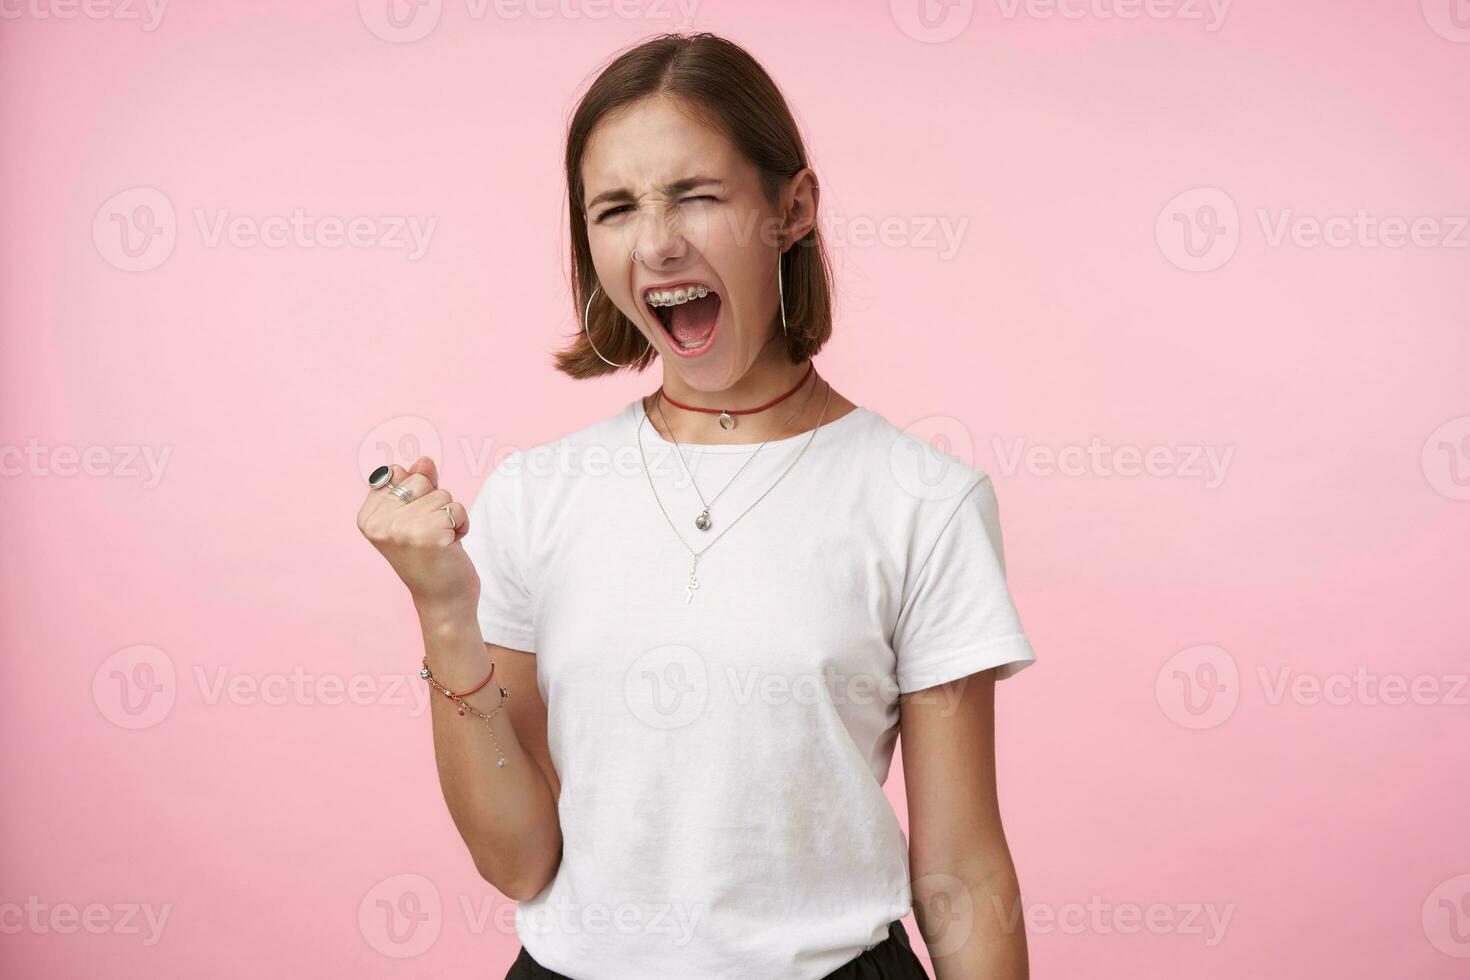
702, 348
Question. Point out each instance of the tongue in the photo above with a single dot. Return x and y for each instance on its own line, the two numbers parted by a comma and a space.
691, 322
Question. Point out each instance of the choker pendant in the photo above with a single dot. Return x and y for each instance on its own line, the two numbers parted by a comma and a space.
702, 521
727, 421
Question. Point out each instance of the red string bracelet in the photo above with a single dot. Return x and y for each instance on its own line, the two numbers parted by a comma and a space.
450, 694
461, 704
482, 684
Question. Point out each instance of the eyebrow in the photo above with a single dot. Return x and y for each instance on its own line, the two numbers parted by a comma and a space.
670, 190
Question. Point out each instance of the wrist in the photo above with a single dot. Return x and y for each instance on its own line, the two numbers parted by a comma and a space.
438, 616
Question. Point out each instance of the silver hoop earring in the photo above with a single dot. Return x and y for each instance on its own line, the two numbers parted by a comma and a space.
586, 318
781, 291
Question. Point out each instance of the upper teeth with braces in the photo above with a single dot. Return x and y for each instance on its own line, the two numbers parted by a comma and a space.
674, 297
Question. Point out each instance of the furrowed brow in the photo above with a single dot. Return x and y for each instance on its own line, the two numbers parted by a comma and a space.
622, 194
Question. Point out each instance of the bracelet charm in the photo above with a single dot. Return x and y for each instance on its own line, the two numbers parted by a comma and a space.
463, 706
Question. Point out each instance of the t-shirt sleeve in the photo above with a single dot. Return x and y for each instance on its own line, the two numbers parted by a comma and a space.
496, 544
958, 617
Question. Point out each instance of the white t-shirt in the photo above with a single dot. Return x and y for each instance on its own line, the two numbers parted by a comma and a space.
722, 750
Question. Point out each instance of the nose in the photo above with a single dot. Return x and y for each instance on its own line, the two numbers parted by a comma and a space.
660, 242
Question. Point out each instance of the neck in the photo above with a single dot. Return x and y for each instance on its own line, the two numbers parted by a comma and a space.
759, 385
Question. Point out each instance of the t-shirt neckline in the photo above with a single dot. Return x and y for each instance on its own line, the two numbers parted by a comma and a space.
636, 412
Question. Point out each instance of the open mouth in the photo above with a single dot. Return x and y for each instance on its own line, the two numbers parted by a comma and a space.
688, 312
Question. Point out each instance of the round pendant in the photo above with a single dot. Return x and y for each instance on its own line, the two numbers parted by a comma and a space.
727, 421
702, 521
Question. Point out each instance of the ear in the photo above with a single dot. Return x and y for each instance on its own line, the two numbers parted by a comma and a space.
799, 200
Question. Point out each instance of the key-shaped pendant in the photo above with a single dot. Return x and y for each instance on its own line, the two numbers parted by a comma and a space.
693, 582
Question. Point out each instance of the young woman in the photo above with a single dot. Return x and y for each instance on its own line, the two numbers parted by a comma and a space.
709, 614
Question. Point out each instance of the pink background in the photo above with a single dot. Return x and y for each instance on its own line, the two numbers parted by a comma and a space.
1151, 767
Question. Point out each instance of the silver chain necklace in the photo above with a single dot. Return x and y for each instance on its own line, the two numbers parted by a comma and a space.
703, 520
693, 584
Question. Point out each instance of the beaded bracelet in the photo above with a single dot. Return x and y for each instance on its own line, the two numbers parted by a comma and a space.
459, 699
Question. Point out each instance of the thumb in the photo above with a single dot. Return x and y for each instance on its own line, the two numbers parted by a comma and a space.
425, 466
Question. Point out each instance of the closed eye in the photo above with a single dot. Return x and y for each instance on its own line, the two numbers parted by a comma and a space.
610, 212
624, 207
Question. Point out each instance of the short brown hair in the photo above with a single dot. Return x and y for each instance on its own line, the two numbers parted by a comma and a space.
723, 84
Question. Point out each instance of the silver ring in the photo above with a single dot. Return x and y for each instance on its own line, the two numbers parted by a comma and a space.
635, 256
453, 524
380, 478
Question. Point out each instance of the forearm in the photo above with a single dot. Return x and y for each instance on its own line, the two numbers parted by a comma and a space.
972, 921
507, 814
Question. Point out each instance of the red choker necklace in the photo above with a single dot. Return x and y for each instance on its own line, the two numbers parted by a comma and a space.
727, 415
